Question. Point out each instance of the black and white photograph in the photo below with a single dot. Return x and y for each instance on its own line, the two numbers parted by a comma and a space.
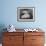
25, 14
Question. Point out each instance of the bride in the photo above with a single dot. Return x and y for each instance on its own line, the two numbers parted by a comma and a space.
26, 15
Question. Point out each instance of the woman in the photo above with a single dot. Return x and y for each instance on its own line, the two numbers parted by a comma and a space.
26, 14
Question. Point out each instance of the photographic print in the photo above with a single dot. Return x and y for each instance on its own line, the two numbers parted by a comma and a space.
26, 14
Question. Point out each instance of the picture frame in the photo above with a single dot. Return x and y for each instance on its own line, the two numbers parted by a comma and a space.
26, 14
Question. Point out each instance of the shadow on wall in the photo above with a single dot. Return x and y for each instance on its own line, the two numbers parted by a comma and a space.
2, 26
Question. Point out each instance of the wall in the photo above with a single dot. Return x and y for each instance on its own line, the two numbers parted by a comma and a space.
8, 13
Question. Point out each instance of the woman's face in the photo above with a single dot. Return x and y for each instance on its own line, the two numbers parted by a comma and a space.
25, 12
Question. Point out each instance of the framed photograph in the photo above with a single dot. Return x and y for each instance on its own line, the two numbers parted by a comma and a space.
26, 14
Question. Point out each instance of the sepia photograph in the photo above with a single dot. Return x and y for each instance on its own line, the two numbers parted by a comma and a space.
25, 14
